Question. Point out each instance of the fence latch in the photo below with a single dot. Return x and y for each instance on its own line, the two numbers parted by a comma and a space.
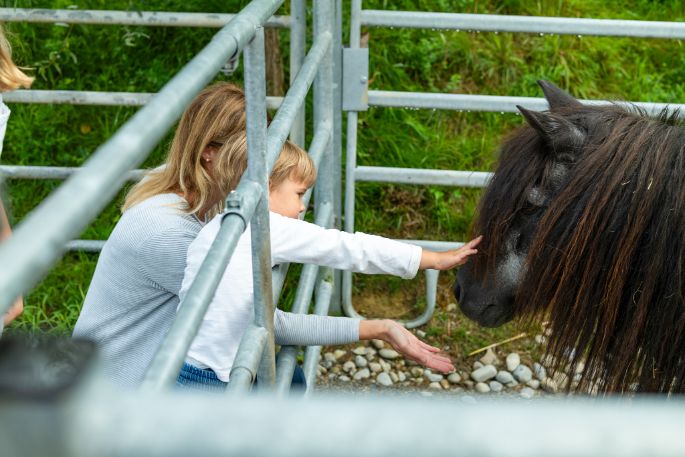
355, 80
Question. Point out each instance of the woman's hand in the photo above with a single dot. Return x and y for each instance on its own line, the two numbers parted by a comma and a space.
447, 260
404, 342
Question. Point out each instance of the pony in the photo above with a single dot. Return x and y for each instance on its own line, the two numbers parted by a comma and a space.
583, 224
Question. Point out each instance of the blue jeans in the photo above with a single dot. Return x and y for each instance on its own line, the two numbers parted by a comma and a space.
206, 379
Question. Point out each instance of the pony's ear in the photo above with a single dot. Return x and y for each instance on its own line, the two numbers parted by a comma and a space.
556, 97
555, 130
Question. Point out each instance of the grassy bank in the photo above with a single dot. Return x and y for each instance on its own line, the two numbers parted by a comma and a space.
142, 59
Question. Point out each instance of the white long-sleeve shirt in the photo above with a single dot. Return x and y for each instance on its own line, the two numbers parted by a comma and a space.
292, 240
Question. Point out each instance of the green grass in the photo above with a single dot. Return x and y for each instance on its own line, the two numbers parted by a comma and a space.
142, 59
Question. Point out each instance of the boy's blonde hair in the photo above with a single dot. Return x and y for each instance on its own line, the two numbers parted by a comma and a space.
215, 115
11, 77
293, 162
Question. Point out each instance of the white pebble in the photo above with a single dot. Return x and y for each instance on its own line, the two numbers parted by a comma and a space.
348, 366
454, 378
482, 388
402, 376
386, 366
523, 374
435, 385
362, 374
533, 384
375, 367
539, 371
329, 357
489, 358
343, 378
432, 377
477, 364
527, 392
338, 353
360, 361
484, 373
378, 344
420, 333
393, 376
389, 354
504, 377
513, 361
359, 350
417, 372
495, 386
384, 379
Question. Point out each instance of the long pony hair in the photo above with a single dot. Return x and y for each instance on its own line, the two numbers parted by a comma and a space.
607, 263
216, 114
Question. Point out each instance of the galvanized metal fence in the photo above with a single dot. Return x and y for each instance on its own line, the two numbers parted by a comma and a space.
357, 97
88, 189
266, 426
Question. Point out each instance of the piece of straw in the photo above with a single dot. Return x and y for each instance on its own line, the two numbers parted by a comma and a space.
513, 338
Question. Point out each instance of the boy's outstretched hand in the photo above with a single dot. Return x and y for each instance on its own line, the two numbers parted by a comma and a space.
404, 342
447, 260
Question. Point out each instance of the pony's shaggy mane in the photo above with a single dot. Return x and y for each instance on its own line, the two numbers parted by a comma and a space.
608, 258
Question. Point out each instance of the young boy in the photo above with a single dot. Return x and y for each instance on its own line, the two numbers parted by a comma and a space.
211, 355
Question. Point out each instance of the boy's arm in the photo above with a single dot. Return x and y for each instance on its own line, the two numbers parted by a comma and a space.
447, 260
293, 240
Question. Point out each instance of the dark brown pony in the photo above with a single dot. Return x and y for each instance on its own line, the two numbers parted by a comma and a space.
584, 225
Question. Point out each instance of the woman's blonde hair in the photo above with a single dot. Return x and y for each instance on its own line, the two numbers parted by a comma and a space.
215, 115
11, 77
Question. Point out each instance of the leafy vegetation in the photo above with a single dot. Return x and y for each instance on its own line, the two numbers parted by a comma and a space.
142, 59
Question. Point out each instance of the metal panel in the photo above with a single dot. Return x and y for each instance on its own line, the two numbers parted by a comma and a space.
355, 79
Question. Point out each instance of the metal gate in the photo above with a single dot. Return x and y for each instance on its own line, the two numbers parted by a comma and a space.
95, 420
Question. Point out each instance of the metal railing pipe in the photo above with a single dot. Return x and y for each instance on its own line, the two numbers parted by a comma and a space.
258, 170
382, 426
491, 103
80, 97
294, 99
39, 239
247, 359
143, 18
321, 137
298, 38
287, 357
39, 172
423, 176
168, 359
351, 165
523, 24
312, 354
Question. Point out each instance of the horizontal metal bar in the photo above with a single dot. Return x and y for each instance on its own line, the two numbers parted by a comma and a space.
244, 370
85, 245
81, 97
39, 172
147, 18
168, 359
422, 176
435, 245
294, 99
39, 239
381, 426
491, 103
524, 24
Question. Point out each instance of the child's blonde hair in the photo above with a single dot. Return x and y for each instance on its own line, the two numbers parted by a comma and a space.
11, 77
215, 114
293, 162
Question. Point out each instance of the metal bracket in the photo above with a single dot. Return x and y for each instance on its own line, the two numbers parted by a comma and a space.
355, 80
231, 65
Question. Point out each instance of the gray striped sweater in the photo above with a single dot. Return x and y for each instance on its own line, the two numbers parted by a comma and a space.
133, 296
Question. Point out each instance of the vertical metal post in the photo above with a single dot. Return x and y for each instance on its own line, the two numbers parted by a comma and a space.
255, 92
337, 142
351, 164
323, 102
298, 29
